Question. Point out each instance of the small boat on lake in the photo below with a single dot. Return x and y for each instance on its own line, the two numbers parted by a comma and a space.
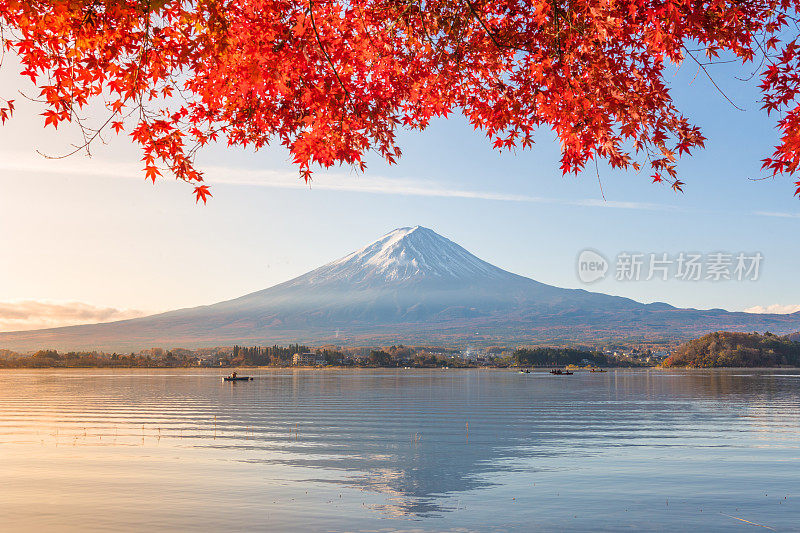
559, 372
526, 371
597, 370
234, 377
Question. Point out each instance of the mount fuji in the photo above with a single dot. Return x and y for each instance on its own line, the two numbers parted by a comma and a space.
410, 286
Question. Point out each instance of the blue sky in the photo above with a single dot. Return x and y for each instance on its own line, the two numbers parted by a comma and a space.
92, 231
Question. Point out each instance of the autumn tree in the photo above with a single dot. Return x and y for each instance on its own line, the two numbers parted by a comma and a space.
331, 80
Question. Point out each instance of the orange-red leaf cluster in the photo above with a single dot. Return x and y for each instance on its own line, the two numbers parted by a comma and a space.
331, 80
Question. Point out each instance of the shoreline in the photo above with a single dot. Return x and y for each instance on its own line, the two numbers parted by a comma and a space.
514, 370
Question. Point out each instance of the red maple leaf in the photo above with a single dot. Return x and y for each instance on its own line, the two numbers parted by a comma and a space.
332, 81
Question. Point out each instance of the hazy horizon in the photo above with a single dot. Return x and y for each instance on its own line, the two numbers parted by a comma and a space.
92, 231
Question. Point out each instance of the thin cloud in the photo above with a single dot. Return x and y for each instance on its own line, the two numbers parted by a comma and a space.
777, 214
622, 205
778, 309
396, 186
329, 181
35, 314
323, 180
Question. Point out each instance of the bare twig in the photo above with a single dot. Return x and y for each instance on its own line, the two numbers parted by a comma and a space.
597, 170
699, 64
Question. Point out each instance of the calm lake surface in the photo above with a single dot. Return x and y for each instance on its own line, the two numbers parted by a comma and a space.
410, 450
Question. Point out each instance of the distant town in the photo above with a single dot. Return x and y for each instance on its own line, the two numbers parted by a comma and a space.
338, 356
719, 349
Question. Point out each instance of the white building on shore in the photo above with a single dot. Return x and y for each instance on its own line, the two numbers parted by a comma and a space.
308, 359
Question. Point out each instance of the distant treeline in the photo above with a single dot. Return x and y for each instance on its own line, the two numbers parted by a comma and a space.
728, 349
281, 356
402, 356
266, 355
566, 356
53, 359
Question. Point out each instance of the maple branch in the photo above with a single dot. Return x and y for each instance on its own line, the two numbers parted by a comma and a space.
699, 64
580, 66
485, 28
600, 183
325, 52
491, 35
144, 52
2, 43
396, 20
756, 70
558, 31
87, 141
764, 58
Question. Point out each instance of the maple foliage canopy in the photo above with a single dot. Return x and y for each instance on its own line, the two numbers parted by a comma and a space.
333, 79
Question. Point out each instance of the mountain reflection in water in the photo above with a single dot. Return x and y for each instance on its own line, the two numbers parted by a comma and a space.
348, 450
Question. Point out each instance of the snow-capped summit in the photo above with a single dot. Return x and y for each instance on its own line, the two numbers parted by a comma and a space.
410, 286
411, 254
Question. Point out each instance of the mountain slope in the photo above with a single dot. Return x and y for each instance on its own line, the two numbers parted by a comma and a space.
411, 285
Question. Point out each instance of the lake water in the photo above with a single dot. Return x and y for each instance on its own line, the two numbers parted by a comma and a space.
408, 450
